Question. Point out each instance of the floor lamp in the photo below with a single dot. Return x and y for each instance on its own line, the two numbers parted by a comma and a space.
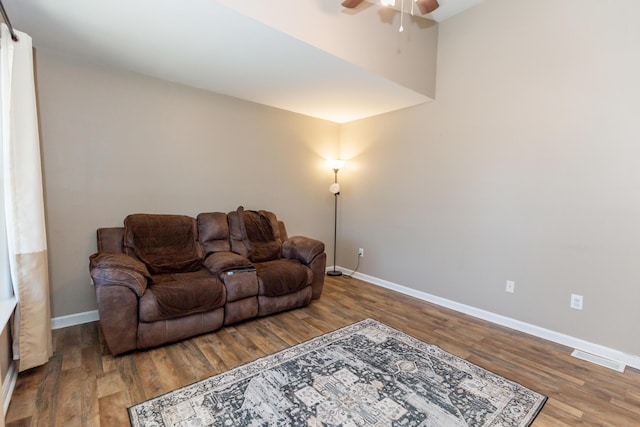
335, 190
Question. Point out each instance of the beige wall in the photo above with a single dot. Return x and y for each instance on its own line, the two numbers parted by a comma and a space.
522, 169
525, 168
116, 143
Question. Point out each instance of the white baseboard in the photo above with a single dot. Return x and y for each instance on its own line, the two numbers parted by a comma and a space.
7, 387
74, 319
557, 337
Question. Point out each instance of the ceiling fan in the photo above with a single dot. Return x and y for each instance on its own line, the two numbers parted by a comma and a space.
424, 6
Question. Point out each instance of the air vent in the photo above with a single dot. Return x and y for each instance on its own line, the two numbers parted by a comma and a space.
599, 360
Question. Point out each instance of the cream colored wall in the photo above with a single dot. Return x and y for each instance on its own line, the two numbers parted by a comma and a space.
524, 168
116, 143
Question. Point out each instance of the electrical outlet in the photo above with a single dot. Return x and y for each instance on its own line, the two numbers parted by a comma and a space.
576, 302
510, 286
361, 252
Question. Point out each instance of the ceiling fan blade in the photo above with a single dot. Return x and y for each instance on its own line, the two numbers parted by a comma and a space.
351, 3
427, 6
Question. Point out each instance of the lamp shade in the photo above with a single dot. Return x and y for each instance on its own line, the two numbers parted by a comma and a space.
334, 188
335, 164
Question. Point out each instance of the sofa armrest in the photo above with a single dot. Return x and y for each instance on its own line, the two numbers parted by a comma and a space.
304, 249
118, 309
219, 262
108, 268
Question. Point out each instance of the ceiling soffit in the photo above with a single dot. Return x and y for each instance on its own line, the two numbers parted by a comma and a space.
310, 57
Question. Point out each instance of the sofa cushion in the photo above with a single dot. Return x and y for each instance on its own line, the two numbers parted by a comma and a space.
263, 233
176, 295
281, 277
213, 232
220, 262
165, 243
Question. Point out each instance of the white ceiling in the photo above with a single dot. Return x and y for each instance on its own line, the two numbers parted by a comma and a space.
204, 44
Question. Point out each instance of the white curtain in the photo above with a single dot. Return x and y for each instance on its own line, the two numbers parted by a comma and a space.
24, 204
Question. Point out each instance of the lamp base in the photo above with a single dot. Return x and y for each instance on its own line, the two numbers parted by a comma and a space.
334, 273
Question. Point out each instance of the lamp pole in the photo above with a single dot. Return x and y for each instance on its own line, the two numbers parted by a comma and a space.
335, 189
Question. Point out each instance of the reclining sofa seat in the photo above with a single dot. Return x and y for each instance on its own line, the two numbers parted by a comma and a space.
163, 278
158, 291
283, 280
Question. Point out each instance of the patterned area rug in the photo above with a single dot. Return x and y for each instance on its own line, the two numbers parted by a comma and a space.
366, 374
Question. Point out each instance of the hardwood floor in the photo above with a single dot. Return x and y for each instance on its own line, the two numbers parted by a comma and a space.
81, 386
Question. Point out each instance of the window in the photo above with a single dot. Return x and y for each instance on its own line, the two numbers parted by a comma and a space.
7, 302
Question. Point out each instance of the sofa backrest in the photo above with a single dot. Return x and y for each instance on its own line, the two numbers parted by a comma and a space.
255, 234
213, 232
164, 243
110, 239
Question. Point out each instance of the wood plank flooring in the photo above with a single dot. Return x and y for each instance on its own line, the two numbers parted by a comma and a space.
82, 385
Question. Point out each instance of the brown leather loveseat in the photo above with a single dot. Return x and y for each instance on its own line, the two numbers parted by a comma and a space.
163, 278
